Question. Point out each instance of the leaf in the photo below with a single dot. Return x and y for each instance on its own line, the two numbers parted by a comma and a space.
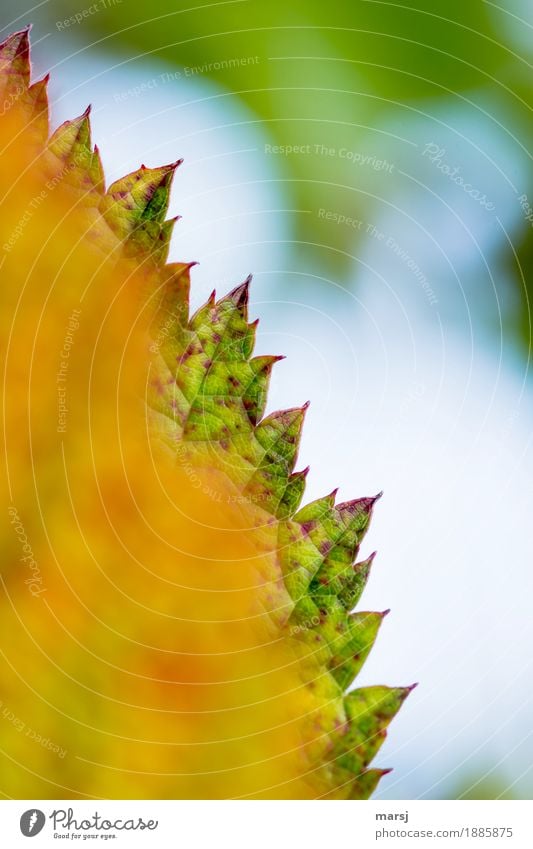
188, 626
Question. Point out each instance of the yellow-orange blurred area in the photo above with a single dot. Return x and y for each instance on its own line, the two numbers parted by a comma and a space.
140, 598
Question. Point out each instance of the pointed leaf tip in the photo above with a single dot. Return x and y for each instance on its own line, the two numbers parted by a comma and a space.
264, 362
357, 506
240, 294
135, 207
291, 414
15, 40
171, 166
404, 692
71, 141
44, 80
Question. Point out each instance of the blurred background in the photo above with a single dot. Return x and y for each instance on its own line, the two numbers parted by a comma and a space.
371, 163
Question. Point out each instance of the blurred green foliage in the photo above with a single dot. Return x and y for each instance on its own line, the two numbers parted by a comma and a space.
333, 75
